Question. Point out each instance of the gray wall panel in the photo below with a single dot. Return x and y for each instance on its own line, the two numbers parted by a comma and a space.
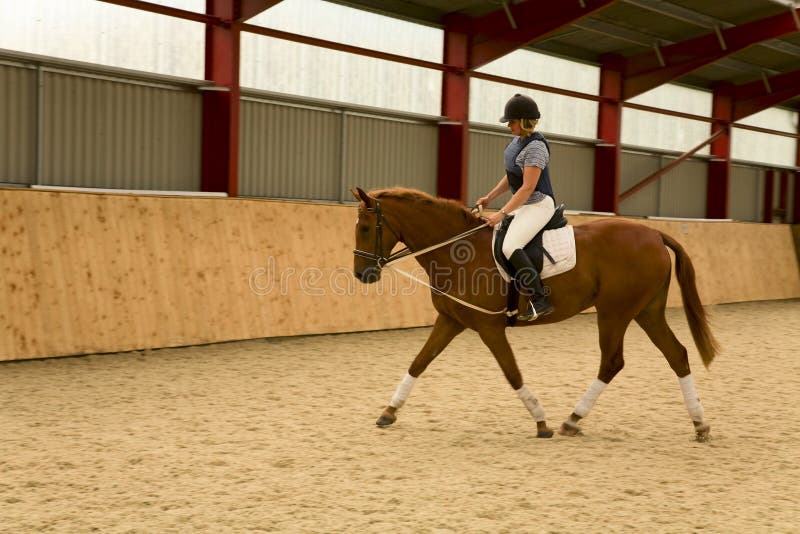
115, 134
572, 174
635, 168
571, 169
295, 151
18, 117
746, 194
289, 151
102, 127
679, 193
682, 191
485, 165
383, 153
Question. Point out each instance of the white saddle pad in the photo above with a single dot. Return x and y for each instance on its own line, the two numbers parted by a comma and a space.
560, 244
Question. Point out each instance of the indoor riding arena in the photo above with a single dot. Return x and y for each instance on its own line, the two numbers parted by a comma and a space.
187, 339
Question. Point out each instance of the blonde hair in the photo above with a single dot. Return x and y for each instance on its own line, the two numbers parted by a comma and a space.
527, 126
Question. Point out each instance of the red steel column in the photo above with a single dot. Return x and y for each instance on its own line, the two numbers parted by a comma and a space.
454, 133
719, 167
795, 219
769, 187
608, 154
783, 198
220, 159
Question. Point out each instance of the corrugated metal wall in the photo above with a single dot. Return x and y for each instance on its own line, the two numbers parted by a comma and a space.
746, 193
85, 125
571, 169
17, 124
683, 190
485, 164
288, 151
678, 193
635, 167
572, 174
388, 152
73, 128
119, 134
295, 151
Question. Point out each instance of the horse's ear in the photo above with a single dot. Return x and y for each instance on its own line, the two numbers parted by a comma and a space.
362, 196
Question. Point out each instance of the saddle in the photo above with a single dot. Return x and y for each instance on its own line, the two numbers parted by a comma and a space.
534, 249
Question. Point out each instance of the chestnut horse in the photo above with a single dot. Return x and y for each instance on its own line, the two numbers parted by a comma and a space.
623, 270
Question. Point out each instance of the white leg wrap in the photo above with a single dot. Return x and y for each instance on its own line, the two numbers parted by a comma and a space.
402, 391
691, 399
531, 403
585, 405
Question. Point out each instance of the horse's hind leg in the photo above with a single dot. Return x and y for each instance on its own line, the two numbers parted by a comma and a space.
497, 342
654, 323
444, 330
611, 327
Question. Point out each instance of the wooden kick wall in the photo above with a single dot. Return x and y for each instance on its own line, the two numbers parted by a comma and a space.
86, 273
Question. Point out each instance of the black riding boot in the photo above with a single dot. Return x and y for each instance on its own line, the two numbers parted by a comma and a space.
530, 285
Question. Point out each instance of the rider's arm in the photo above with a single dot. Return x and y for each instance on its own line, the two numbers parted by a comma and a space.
499, 189
530, 177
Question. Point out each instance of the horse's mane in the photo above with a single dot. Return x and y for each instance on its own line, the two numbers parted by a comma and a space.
415, 196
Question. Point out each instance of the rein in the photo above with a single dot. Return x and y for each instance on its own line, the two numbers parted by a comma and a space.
382, 262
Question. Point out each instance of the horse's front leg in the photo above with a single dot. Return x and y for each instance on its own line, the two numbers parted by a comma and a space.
495, 339
444, 330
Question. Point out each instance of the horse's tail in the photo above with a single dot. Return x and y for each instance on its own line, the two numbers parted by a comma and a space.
695, 314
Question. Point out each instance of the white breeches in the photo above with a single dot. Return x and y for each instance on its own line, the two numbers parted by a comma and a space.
528, 220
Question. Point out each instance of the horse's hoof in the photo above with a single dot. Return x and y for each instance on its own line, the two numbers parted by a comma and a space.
385, 420
702, 432
542, 431
568, 429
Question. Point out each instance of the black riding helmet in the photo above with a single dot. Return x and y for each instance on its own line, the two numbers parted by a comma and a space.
520, 107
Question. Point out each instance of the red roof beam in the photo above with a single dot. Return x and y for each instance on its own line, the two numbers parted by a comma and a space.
247, 9
761, 94
243, 10
169, 11
651, 69
505, 30
350, 49
538, 87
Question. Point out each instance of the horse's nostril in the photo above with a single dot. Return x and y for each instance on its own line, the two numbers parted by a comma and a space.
370, 275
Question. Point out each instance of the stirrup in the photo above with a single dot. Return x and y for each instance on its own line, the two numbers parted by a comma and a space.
532, 314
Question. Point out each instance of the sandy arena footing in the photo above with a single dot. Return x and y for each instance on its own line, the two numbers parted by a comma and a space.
279, 435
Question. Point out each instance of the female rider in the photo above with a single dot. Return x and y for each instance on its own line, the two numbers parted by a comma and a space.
532, 202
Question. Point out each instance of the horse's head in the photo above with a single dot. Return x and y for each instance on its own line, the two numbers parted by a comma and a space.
374, 239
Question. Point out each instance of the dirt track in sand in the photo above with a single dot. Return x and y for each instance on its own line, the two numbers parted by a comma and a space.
279, 435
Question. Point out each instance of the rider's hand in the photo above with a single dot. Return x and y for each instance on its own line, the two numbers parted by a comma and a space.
483, 201
495, 218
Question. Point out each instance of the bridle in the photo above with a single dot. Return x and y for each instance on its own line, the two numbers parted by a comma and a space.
382, 261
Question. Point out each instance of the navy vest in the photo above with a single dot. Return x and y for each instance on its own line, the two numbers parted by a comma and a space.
514, 172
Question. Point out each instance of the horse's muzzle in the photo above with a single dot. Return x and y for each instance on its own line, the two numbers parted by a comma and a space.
370, 275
